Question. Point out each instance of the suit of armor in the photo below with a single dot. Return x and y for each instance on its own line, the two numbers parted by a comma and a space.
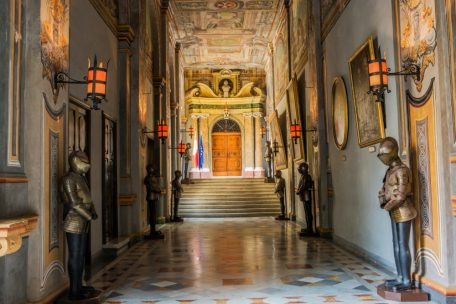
304, 191
78, 212
187, 158
280, 191
153, 188
395, 197
268, 157
177, 193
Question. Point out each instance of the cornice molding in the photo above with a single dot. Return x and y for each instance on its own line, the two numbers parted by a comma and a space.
12, 231
106, 8
125, 33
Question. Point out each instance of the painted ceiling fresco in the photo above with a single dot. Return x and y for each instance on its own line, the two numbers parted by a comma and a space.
225, 33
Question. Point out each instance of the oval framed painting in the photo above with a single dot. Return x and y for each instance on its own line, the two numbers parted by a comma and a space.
339, 113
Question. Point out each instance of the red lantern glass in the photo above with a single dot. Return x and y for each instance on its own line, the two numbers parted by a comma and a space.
295, 131
181, 148
96, 83
162, 128
263, 131
378, 75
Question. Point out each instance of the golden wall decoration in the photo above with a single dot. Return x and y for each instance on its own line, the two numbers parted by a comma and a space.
54, 40
424, 169
340, 120
418, 36
451, 17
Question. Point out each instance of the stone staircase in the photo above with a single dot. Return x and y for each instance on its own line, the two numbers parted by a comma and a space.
218, 198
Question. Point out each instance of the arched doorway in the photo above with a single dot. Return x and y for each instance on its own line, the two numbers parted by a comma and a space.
226, 148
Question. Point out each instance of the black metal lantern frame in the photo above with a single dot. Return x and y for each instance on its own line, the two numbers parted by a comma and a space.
378, 71
96, 81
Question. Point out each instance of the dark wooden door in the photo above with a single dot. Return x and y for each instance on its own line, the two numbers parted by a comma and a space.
109, 182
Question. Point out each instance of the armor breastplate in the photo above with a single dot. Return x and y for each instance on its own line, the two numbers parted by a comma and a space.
76, 196
398, 182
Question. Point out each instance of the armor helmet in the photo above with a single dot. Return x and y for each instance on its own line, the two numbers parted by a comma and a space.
150, 169
79, 162
388, 151
278, 174
177, 173
189, 145
268, 143
303, 168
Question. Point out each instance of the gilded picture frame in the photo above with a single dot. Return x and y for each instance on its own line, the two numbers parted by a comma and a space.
295, 115
368, 112
340, 122
280, 160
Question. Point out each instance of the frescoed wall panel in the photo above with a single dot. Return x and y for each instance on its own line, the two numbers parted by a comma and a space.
281, 64
300, 15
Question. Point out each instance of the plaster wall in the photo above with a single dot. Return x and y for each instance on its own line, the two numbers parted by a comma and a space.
357, 173
89, 35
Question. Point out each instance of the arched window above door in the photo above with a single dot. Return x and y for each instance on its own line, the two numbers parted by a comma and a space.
226, 125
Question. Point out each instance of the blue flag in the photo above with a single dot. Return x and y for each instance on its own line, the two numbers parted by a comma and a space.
201, 152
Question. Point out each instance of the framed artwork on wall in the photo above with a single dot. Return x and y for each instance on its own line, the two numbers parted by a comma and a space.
280, 161
295, 115
339, 113
368, 112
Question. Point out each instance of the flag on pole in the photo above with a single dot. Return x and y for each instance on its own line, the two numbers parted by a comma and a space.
195, 153
201, 152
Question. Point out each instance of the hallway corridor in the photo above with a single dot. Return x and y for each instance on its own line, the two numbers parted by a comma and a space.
234, 261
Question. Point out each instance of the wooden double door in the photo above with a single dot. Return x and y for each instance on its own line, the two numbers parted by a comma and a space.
226, 154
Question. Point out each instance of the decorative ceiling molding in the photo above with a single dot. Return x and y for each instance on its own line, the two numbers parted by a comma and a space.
225, 33
108, 11
330, 11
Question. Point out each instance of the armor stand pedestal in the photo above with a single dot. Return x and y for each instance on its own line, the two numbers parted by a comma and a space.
411, 295
95, 297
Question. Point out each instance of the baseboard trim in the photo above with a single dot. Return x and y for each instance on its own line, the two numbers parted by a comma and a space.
360, 252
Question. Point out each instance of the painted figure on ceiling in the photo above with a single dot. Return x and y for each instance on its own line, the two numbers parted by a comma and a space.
396, 197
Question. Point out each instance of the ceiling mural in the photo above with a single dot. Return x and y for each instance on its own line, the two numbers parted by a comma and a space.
225, 33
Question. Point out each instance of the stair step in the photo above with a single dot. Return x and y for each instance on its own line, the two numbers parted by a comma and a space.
215, 198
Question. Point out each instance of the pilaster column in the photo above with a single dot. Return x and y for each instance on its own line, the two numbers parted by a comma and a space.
259, 170
249, 145
125, 36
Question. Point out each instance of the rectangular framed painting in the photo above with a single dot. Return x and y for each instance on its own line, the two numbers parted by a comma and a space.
280, 161
295, 115
368, 112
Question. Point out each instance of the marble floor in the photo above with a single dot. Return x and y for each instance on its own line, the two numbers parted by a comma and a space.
231, 261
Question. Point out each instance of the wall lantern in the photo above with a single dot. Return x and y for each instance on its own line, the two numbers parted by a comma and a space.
190, 132
181, 149
275, 147
96, 80
295, 131
263, 131
162, 131
378, 76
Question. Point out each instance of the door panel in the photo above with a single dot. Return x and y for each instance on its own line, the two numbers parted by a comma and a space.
226, 154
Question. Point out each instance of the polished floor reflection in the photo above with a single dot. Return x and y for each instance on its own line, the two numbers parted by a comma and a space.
231, 261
